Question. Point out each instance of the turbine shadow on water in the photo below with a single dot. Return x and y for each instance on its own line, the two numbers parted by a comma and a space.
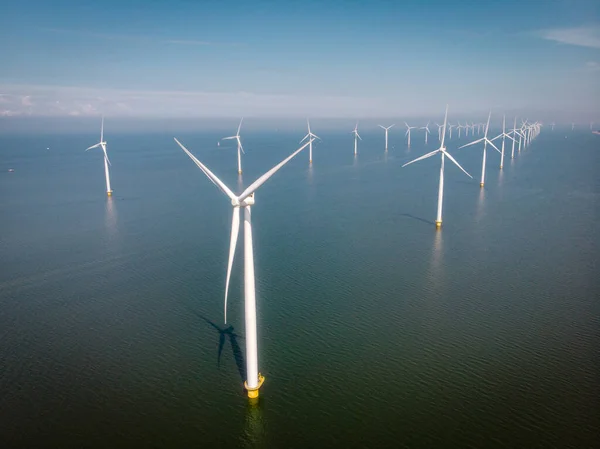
227, 333
418, 218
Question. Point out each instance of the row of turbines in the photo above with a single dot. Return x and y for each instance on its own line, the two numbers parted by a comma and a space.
244, 201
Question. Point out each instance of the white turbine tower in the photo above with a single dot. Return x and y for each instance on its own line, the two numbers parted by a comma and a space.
515, 133
311, 138
386, 134
426, 128
356, 137
408, 128
504, 136
459, 127
444, 153
102, 144
245, 200
240, 148
485, 141
450, 128
553, 126
572, 126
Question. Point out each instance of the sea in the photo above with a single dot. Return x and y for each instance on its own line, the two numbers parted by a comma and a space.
374, 329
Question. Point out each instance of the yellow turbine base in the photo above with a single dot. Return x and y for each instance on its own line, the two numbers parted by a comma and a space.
501, 166
109, 193
253, 392
438, 224
239, 172
481, 184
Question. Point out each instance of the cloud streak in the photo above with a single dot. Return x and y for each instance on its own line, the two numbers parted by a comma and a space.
140, 39
583, 36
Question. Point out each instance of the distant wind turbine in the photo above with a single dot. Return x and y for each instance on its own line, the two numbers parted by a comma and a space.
408, 128
450, 128
311, 137
386, 134
485, 141
245, 200
504, 136
356, 137
572, 126
426, 128
444, 153
102, 144
240, 149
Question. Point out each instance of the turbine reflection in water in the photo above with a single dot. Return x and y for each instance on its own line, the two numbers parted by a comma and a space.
254, 435
480, 208
111, 217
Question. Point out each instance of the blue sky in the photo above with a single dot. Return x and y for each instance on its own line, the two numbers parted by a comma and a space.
277, 58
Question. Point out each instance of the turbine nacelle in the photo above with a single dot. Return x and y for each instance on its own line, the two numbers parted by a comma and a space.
248, 201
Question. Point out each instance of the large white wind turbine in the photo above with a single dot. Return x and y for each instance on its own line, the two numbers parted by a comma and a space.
240, 149
311, 137
444, 153
514, 133
485, 141
386, 134
356, 137
504, 136
426, 128
245, 200
102, 144
408, 128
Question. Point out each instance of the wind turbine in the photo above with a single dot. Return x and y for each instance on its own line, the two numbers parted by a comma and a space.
426, 128
356, 137
450, 128
503, 135
444, 153
515, 133
553, 126
459, 127
485, 141
386, 134
311, 138
240, 149
245, 200
102, 144
572, 126
408, 128
439, 131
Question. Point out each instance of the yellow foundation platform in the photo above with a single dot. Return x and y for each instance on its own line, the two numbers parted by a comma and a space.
481, 184
438, 224
253, 392
109, 193
239, 172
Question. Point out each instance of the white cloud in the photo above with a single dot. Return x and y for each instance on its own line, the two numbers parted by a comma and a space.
583, 36
61, 100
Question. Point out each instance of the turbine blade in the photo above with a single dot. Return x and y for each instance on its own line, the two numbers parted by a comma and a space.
106, 155
241, 147
457, 164
240, 126
495, 147
260, 181
315, 136
425, 156
444, 131
208, 173
382, 127
488, 124
308, 135
92, 147
235, 230
472, 143
102, 130
229, 138
358, 135
391, 126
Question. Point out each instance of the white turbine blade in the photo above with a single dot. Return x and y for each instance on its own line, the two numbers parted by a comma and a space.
407, 131
102, 130
240, 126
444, 131
315, 136
308, 135
488, 124
229, 138
358, 135
391, 126
240, 144
457, 164
207, 172
235, 230
497, 137
308, 123
425, 156
105, 154
382, 127
472, 143
495, 147
510, 138
407, 125
92, 147
260, 181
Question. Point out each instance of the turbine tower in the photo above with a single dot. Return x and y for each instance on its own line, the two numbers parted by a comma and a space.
485, 141
408, 128
311, 138
426, 128
503, 135
102, 144
386, 134
240, 149
356, 137
444, 153
245, 200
